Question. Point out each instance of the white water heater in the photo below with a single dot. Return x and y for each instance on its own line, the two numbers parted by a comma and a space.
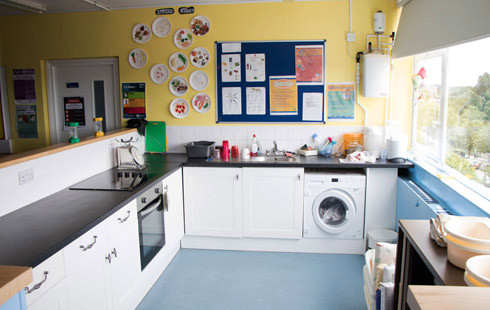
375, 75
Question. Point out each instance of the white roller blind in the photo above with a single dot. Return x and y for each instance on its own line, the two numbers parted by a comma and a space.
427, 25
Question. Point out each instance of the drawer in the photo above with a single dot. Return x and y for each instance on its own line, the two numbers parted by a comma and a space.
122, 218
45, 276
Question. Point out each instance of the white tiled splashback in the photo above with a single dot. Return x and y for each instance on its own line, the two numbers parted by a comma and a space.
287, 137
57, 171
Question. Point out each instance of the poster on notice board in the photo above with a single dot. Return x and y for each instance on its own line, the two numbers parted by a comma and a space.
24, 86
340, 101
26, 116
133, 100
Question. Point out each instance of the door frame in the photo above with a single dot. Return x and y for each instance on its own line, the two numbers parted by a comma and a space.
54, 109
6, 143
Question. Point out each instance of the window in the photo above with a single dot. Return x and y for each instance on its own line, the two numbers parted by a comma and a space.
451, 116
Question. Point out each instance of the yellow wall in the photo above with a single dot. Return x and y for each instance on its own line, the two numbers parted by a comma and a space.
107, 34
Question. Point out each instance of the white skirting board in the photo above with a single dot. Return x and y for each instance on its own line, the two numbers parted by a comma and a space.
6, 146
332, 246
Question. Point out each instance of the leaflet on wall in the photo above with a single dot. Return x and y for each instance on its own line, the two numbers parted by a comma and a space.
309, 64
230, 68
26, 121
283, 95
313, 107
231, 47
255, 67
255, 100
340, 101
232, 100
133, 100
24, 86
74, 109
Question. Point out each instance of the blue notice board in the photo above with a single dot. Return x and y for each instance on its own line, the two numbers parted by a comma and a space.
270, 81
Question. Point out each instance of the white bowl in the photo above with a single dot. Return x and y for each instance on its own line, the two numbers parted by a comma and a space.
475, 232
458, 254
478, 267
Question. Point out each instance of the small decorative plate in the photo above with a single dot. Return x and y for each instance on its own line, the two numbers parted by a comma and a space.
159, 73
178, 86
199, 57
137, 58
183, 38
161, 27
141, 33
198, 80
201, 102
179, 108
178, 62
200, 25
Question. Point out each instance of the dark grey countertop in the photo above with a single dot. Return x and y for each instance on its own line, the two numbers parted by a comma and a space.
31, 234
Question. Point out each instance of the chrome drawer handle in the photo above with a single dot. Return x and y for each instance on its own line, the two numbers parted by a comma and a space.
124, 219
114, 252
88, 247
299, 177
37, 286
108, 258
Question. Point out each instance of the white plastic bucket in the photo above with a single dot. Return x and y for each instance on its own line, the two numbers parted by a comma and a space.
381, 235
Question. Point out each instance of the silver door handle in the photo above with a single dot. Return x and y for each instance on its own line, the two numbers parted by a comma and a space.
165, 198
88, 247
151, 208
37, 286
237, 177
108, 258
124, 219
114, 252
299, 177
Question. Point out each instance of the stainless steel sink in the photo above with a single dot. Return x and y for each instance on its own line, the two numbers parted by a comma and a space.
274, 159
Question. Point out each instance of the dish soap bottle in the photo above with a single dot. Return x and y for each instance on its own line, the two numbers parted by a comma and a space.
255, 146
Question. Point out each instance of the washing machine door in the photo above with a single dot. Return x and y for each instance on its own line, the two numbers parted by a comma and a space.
334, 211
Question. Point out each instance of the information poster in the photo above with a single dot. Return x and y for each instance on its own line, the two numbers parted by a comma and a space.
255, 100
309, 64
255, 67
24, 86
133, 100
283, 95
74, 111
312, 107
26, 121
232, 101
340, 101
230, 68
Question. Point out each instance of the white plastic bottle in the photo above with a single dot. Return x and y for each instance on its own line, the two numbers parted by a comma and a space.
255, 146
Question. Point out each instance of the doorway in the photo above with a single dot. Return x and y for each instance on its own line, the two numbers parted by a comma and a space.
78, 91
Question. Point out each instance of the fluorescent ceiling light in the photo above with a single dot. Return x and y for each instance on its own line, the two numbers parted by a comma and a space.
97, 4
25, 5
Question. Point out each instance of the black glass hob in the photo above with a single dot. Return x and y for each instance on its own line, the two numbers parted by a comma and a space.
114, 180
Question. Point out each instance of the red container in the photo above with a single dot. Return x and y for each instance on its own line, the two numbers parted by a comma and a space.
225, 150
234, 151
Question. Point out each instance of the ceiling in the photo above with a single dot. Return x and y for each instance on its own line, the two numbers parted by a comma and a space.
13, 7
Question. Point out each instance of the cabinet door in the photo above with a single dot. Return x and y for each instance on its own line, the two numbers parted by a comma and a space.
213, 201
273, 202
174, 215
409, 205
54, 299
86, 275
125, 262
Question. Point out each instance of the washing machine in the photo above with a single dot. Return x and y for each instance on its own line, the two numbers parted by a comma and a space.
334, 204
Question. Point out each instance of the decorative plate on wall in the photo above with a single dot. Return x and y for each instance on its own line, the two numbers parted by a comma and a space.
199, 57
161, 27
178, 86
159, 73
183, 38
198, 80
200, 25
178, 62
201, 102
137, 58
179, 108
141, 33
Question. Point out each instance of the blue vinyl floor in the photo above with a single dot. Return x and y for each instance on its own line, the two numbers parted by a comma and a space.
207, 279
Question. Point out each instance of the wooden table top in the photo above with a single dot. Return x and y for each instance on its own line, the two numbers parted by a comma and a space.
12, 280
422, 297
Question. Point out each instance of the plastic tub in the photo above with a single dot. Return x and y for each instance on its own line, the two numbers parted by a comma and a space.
478, 267
200, 149
469, 232
470, 281
381, 235
458, 254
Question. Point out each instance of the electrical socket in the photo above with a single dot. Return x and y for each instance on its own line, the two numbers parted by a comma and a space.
351, 36
26, 176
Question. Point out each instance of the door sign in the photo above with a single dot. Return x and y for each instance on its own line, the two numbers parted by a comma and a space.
74, 110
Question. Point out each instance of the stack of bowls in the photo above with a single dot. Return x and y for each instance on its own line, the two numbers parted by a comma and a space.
466, 239
478, 271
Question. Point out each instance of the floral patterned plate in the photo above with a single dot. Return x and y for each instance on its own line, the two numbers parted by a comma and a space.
178, 86
137, 58
201, 102
179, 108
200, 25
141, 33
178, 62
199, 57
183, 38
159, 73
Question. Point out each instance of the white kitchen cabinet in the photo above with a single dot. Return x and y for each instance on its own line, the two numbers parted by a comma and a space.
54, 299
273, 202
103, 264
213, 201
174, 215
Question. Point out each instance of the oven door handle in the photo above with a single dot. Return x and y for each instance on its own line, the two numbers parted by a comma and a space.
151, 207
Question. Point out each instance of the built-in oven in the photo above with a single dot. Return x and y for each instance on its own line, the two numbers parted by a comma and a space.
151, 224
